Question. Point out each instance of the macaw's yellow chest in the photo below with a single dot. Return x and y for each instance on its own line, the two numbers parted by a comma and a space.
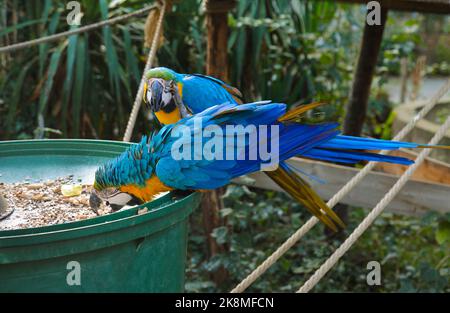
168, 118
153, 187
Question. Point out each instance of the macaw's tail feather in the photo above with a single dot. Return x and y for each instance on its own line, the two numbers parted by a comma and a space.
347, 149
296, 112
433, 147
352, 157
363, 143
300, 190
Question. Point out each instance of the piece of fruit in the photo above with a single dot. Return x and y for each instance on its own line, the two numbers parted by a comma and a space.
71, 190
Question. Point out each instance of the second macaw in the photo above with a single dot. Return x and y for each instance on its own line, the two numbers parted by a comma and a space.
172, 96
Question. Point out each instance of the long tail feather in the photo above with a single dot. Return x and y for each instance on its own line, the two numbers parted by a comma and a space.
301, 191
351, 157
296, 112
346, 149
433, 147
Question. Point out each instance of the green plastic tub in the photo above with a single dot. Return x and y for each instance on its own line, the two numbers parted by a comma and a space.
127, 251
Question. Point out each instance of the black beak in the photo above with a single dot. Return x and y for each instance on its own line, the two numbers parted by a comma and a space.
115, 207
156, 88
94, 202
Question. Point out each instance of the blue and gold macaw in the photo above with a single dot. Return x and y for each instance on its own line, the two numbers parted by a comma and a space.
172, 96
146, 169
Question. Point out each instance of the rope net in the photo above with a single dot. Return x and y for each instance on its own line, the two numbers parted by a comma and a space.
289, 243
370, 218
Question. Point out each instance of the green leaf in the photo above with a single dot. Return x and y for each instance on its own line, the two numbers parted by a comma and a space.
51, 71
15, 98
443, 232
79, 84
71, 55
240, 52
43, 48
19, 26
132, 62
220, 234
225, 212
111, 54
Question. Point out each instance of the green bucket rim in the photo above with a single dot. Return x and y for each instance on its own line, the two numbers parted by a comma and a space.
132, 218
158, 208
97, 147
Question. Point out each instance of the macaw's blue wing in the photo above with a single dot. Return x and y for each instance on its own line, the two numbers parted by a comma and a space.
294, 139
200, 173
200, 92
236, 93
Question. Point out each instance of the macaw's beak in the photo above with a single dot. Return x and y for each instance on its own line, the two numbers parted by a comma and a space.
116, 200
94, 202
154, 94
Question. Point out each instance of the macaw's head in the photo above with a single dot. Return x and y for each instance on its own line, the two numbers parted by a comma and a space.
163, 95
123, 180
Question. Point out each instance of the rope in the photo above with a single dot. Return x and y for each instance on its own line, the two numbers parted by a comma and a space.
148, 65
370, 218
289, 243
30, 43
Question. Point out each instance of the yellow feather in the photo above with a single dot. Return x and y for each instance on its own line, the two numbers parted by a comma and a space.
144, 95
296, 112
300, 190
168, 118
153, 186
180, 89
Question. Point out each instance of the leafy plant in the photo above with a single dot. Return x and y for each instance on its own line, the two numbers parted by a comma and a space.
81, 85
413, 252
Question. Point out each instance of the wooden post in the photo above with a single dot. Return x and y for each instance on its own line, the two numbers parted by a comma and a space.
359, 97
217, 41
403, 79
217, 66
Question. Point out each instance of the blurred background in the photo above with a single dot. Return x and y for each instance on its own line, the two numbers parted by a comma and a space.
287, 51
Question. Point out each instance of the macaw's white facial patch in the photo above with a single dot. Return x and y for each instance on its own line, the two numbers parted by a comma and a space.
166, 97
120, 198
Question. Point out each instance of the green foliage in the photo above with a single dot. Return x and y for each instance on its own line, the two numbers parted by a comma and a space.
414, 253
400, 41
79, 85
